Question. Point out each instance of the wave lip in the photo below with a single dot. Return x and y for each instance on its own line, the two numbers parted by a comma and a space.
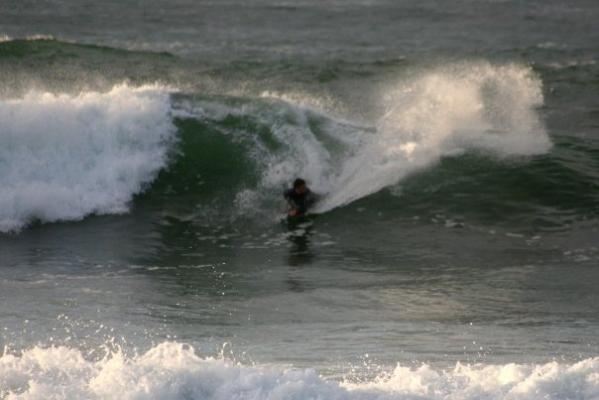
173, 370
64, 156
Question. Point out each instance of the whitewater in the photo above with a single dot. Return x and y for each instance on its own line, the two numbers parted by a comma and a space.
174, 371
65, 157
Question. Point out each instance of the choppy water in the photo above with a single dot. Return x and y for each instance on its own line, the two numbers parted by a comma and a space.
144, 149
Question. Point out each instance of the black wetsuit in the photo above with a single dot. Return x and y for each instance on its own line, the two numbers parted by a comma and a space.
300, 202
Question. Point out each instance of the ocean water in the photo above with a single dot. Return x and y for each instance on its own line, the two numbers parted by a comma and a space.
144, 147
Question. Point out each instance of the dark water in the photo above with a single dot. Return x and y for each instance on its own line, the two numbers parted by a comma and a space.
144, 149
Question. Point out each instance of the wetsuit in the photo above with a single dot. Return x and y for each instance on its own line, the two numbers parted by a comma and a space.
300, 202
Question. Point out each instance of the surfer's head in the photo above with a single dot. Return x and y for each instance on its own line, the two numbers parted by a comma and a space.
299, 185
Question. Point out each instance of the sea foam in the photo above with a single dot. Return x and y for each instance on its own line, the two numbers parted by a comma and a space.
174, 371
63, 157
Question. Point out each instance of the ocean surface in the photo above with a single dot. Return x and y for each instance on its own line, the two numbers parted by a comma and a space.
144, 148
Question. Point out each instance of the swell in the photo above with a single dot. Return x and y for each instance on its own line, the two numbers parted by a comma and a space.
49, 65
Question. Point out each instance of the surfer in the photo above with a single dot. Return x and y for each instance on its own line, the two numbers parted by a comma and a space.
300, 198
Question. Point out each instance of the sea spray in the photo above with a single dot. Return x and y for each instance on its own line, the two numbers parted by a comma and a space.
443, 112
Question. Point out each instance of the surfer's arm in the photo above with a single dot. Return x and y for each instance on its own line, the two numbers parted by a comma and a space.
292, 207
311, 199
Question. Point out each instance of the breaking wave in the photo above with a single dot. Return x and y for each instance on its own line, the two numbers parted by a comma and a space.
174, 371
66, 156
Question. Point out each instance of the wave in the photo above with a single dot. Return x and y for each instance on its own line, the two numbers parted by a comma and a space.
173, 370
67, 156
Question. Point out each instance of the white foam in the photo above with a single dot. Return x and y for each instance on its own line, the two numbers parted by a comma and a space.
6, 38
572, 64
174, 371
63, 156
